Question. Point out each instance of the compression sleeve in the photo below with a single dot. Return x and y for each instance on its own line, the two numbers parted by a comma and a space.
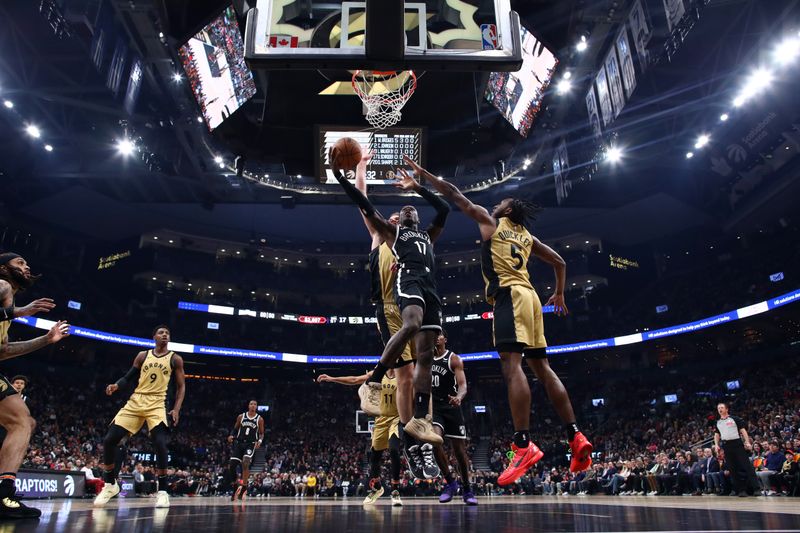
361, 201
123, 381
442, 207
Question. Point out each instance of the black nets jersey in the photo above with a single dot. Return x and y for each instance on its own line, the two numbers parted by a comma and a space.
414, 252
443, 379
248, 428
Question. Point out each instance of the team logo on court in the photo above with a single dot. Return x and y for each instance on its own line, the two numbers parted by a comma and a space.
69, 486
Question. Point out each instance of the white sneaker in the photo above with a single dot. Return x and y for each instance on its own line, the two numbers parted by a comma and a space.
396, 501
109, 491
162, 499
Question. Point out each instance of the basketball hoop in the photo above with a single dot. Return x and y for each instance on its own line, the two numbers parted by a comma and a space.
384, 94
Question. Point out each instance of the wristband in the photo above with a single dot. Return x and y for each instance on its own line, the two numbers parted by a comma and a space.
8, 313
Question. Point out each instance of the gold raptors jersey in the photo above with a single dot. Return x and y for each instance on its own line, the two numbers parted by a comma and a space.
389, 396
504, 257
4, 331
154, 375
381, 260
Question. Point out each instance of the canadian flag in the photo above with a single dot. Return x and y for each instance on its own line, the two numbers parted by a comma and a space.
282, 41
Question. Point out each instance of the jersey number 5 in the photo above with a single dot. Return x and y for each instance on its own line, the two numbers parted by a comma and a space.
421, 246
518, 259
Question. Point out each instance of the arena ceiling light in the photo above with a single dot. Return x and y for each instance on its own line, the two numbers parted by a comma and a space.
33, 131
9, 104
126, 147
582, 44
759, 80
787, 51
564, 86
218, 159
614, 154
724, 117
48, 148
689, 155
702, 141
177, 78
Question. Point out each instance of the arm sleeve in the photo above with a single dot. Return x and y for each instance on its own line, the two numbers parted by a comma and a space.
6, 313
442, 207
123, 381
361, 201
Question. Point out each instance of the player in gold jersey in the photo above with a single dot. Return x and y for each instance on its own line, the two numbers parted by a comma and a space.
147, 405
518, 328
385, 433
15, 418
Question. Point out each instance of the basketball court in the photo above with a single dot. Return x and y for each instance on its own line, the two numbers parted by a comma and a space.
500, 514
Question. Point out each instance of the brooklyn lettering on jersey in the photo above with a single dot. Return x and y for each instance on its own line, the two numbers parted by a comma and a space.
508, 235
158, 366
412, 234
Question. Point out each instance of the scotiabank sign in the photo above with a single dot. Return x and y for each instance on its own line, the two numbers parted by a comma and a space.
312, 319
51, 484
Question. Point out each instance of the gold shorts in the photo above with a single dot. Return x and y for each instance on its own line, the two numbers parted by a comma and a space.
141, 409
384, 429
389, 322
518, 319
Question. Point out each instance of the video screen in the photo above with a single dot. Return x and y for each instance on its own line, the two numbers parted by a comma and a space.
214, 63
388, 147
518, 95
598, 402
671, 398
733, 385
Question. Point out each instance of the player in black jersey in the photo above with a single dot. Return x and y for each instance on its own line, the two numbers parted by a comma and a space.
415, 291
448, 389
249, 434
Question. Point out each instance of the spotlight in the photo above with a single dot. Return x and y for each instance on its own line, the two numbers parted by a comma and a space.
221, 165
177, 78
299, 176
568, 75
702, 141
9, 104
125, 147
787, 51
564, 86
48, 148
724, 117
582, 44
199, 119
218, 159
689, 155
758, 81
614, 154
33, 131
527, 162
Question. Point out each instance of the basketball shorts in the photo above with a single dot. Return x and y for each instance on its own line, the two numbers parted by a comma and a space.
416, 290
6, 389
243, 449
384, 429
389, 321
451, 420
142, 409
518, 324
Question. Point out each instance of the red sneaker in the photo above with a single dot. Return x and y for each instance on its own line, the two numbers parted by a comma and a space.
521, 460
581, 453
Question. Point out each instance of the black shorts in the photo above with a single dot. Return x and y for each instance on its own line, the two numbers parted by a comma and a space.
243, 449
416, 290
451, 420
6, 389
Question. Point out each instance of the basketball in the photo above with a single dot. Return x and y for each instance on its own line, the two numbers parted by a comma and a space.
346, 153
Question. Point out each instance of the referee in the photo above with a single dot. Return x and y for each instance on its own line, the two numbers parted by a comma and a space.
731, 432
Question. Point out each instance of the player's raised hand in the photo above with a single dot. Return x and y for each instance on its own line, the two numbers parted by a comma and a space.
559, 306
111, 389
366, 157
406, 181
418, 170
59, 330
322, 378
42, 305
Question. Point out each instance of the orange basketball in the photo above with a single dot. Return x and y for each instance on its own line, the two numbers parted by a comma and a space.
346, 153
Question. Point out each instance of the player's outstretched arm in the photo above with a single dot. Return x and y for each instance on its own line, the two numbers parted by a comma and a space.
457, 364
344, 380
180, 388
368, 211
407, 182
9, 350
486, 223
361, 185
260, 431
129, 376
551, 257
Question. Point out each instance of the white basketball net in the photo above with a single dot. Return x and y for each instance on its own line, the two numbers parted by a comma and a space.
384, 94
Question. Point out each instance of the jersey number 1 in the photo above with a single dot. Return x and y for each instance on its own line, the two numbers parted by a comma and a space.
421, 246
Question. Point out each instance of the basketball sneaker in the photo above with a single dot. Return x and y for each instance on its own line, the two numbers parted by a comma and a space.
521, 459
375, 491
109, 491
396, 501
422, 429
370, 399
469, 498
429, 466
162, 499
11, 507
413, 456
449, 492
581, 453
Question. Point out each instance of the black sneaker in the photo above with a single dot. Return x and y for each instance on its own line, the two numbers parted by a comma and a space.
11, 507
415, 462
429, 466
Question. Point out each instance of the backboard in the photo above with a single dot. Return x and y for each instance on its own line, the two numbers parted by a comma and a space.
459, 35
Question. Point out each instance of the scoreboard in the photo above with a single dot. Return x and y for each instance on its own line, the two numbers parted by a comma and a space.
388, 147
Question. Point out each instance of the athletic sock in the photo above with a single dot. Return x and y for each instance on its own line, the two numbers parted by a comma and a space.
378, 373
422, 402
162, 483
571, 429
522, 438
8, 484
109, 477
